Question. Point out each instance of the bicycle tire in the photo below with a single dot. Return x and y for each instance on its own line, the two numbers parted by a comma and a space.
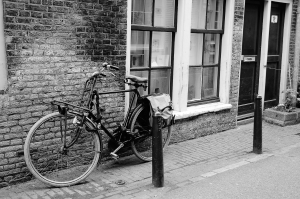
142, 148
47, 161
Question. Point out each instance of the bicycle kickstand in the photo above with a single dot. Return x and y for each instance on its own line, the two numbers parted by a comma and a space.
113, 154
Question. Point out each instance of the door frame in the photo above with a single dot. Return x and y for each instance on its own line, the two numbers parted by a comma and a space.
255, 86
285, 48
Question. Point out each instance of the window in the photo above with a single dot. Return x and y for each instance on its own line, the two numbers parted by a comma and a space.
205, 46
153, 27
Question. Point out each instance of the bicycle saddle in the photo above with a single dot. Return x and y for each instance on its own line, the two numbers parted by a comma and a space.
137, 79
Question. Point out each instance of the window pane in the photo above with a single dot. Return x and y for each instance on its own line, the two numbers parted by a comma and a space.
209, 82
211, 49
196, 47
164, 13
160, 79
215, 14
141, 12
161, 49
141, 74
198, 14
195, 81
139, 49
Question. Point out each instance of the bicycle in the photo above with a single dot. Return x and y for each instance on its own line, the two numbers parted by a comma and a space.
64, 147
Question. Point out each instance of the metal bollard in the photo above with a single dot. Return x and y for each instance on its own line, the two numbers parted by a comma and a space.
157, 153
257, 133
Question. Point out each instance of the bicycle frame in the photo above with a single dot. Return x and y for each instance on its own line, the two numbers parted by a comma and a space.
86, 113
134, 98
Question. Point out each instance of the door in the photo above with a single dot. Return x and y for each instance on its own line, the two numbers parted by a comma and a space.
250, 62
274, 55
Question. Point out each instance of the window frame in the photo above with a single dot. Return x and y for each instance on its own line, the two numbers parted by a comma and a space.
151, 29
218, 65
3, 58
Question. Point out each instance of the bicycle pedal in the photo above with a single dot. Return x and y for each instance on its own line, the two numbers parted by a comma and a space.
114, 156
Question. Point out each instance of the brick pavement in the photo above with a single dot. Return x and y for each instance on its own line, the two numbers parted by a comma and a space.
184, 163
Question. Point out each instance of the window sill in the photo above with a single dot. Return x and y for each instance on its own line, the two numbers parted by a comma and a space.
201, 109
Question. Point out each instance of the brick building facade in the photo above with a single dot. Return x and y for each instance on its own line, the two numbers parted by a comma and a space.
52, 46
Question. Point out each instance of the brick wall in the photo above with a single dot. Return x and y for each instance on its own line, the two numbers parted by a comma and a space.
202, 125
292, 46
236, 53
52, 47
295, 47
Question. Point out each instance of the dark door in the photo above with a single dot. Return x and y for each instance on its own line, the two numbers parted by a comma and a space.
274, 55
249, 75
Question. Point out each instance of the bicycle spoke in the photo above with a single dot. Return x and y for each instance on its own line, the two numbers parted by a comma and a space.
59, 163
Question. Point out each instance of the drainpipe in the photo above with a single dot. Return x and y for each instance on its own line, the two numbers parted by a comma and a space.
297, 50
3, 68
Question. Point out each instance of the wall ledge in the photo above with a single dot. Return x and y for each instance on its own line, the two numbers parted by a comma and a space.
201, 109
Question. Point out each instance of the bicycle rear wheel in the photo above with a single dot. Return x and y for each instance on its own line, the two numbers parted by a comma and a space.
51, 162
140, 128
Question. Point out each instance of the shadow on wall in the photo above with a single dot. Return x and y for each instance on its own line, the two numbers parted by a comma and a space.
101, 32
52, 51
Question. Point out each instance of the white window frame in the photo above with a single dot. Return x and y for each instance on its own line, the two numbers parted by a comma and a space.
181, 61
3, 66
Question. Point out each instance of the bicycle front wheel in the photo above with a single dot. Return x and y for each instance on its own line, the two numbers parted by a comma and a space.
141, 129
56, 163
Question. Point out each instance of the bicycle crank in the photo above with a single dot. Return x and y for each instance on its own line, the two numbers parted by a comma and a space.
113, 154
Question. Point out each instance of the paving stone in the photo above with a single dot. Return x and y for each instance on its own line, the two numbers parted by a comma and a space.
197, 179
208, 174
67, 190
82, 193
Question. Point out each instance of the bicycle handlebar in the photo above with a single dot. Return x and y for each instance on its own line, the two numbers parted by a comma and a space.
108, 66
98, 73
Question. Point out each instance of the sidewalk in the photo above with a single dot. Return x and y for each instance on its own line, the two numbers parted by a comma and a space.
184, 163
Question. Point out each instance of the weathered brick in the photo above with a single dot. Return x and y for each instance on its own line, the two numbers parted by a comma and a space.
9, 155
4, 143
3, 118
8, 178
20, 165
16, 142
14, 117
16, 160
27, 121
12, 171
36, 1
26, 115
58, 3
17, 110
3, 162
12, 12
8, 124
19, 6
36, 7
23, 13
4, 130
